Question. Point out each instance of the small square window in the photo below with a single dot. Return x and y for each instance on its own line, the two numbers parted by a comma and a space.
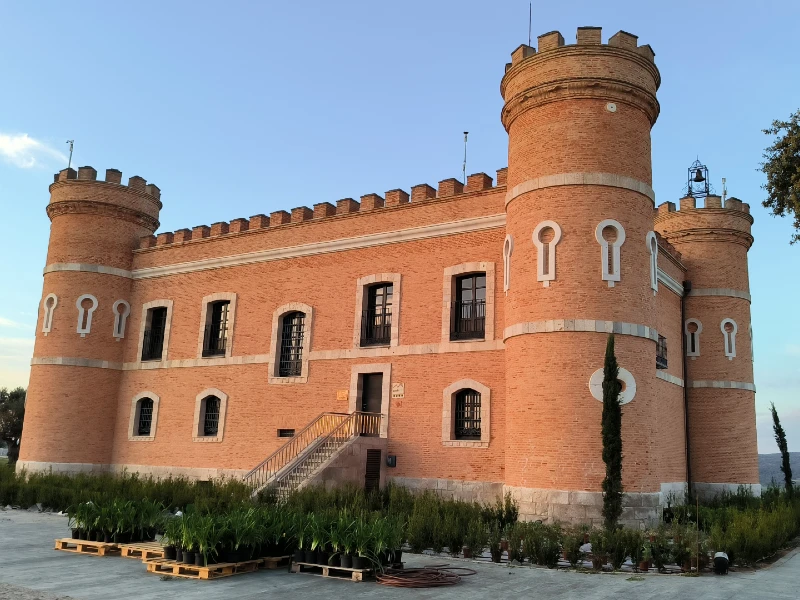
285, 433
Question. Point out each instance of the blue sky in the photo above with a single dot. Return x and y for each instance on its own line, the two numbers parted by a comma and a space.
245, 108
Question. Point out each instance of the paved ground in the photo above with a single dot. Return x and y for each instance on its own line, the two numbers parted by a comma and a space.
31, 570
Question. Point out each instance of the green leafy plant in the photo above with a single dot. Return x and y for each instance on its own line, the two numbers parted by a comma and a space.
477, 537
571, 543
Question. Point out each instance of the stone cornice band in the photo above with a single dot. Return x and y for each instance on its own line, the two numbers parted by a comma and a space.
710, 234
69, 207
725, 292
586, 325
604, 179
727, 385
670, 283
86, 268
669, 378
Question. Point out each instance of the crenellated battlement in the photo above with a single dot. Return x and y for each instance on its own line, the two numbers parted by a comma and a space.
715, 220
395, 198
114, 176
689, 203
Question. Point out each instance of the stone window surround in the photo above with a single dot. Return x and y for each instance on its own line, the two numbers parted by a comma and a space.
167, 324
448, 288
652, 248
386, 390
79, 305
199, 414
546, 278
275, 345
508, 250
730, 339
696, 353
120, 318
47, 317
449, 414
133, 423
205, 316
362, 285
616, 265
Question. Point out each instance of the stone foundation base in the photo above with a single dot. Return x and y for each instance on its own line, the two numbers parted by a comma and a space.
455, 489
202, 474
708, 491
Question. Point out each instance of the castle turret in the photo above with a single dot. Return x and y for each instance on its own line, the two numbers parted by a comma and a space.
714, 241
580, 211
77, 361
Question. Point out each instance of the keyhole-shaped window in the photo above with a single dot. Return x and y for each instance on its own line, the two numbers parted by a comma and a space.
50, 303
610, 235
86, 306
546, 237
652, 247
121, 311
508, 249
729, 329
693, 328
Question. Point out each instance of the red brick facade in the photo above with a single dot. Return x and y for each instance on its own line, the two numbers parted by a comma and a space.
564, 238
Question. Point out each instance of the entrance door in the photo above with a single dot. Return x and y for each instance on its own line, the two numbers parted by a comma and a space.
371, 393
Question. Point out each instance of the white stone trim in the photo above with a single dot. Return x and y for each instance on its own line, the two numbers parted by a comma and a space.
354, 243
508, 250
120, 318
205, 321
729, 338
133, 422
362, 284
69, 361
143, 325
671, 284
79, 305
726, 385
47, 316
604, 179
591, 325
752, 346
448, 414
707, 491
448, 284
199, 414
725, 292
275, 345
386, 390
625, 396
652, 248
546, 278
689, 336
616, 265
86, 268
660, 374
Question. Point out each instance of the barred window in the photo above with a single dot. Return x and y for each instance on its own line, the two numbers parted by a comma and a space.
291, 354
216, 332
661, 353
468, 312
155, 328
468, 415
211, 416
376, 320
145, 416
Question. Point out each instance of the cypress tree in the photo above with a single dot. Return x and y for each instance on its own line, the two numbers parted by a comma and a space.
612, 438
780, 438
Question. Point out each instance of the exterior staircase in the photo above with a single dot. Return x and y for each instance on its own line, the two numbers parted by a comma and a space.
310, 450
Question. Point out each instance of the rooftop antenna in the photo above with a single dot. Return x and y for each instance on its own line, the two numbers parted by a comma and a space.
530, 15
724, 192
464, 167
71, 143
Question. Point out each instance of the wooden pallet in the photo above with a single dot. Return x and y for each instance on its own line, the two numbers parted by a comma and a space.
331, 572
276, 562
162, 566
143, 550
87, 547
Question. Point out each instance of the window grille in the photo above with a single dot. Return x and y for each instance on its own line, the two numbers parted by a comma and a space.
216, 332
468, 415
291, 357
145, 416
376, 320
661, 353
211, 416
285, 433
468, 312
153, 342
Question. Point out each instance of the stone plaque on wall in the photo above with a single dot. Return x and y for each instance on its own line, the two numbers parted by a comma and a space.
398, 390
342, 394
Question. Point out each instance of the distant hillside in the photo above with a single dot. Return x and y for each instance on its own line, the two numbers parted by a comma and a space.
769, 468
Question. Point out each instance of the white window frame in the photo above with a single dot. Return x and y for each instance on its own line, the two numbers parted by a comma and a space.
277, 330
143, 325
120, 318
449, 414
199, 415
729, 338
448, 287
652, 249
508, 250
689, 335
133, 422
48, 310
546, 278
362, 286
84, 331
616, 264
205, 315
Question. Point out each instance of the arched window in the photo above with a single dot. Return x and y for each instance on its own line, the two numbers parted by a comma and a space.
508, 249
144, 419
545, 237
210, 408
652, 248
729, 329
291, 344
121, 311
468, 415
50, 303
693, 328
86, 305
211, 416
610, 235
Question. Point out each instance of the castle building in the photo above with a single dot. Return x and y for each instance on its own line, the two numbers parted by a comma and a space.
451, 338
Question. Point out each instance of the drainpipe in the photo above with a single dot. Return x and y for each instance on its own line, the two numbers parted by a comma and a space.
687, 287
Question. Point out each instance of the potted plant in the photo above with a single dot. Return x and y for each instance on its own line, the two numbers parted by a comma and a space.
495, 537
645, 559
617, 547
300, 531
571, 545
660, 548
316, 553
514, 538
363, 545
599, 540
395, 541
476, 538
171, 537
208, 537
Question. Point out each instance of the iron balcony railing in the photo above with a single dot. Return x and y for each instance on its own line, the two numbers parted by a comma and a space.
468, 320
215, 340
376, 327
661, 353
661, 362
152, 344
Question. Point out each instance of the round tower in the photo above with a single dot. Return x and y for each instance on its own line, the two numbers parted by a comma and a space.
714, 241
579, 208
83, 315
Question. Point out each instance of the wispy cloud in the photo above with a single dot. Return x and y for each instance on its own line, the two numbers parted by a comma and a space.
793, 349
10, 323
25, 152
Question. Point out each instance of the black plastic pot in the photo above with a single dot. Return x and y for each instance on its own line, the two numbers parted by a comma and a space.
178, 555
322, 557
359, 562
299, 556
347, 561
311, 556
397, 556
199, 560
231, 556
106, 537
99, 536
169, 552
75, 533
188, 557
335, 560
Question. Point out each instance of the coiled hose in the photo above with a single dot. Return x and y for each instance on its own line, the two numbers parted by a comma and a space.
424, 577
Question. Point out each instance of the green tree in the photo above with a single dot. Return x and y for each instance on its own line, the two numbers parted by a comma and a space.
780, 438
782, 167
612, 438
12, 411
